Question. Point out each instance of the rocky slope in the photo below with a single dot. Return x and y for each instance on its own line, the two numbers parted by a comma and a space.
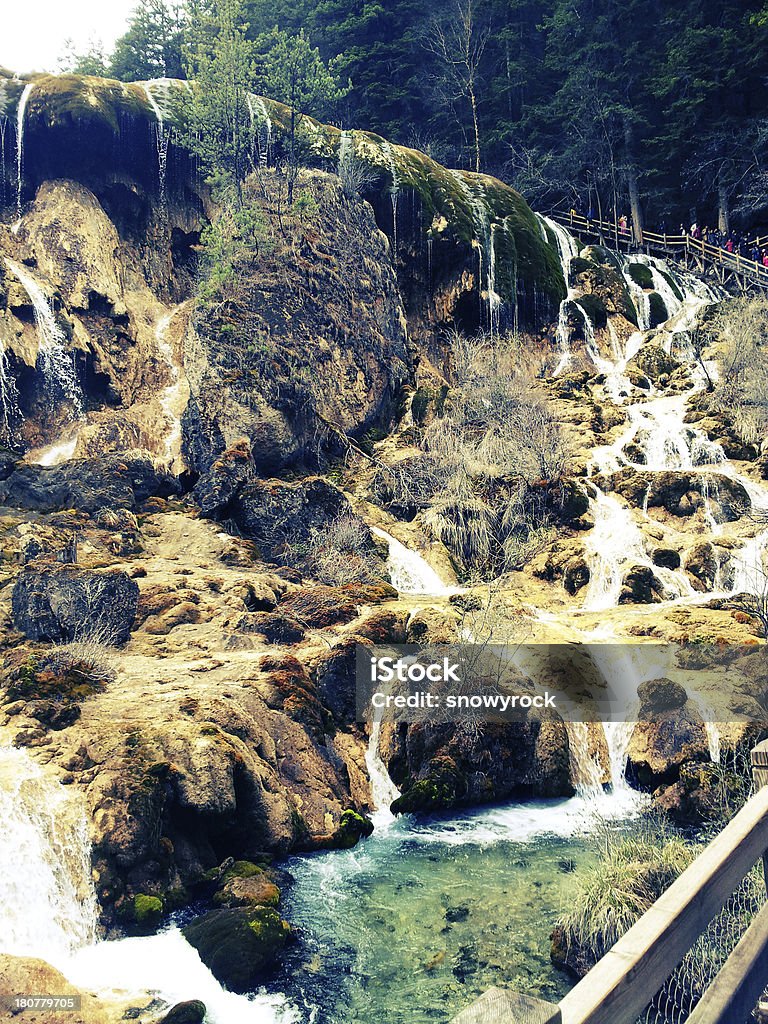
190, 494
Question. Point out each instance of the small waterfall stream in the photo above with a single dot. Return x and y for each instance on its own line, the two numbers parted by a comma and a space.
54, 361
158, 93
172, 397
20, 125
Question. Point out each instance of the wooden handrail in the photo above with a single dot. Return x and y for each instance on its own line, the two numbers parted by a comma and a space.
620, 985
667, 243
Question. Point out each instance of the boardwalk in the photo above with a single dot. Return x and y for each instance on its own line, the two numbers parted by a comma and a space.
730, 269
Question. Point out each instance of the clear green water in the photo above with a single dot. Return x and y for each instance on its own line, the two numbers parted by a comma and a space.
420, 919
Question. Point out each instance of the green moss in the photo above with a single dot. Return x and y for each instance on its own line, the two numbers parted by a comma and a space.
352, 827
147, 910
579, 265
658, 309
641, 275
671, 282
595, 310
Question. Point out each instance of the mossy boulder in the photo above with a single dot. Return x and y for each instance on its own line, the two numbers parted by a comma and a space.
240, 946
658, 311
352, 828
641, 274
246, 885
147, 912
192, 1011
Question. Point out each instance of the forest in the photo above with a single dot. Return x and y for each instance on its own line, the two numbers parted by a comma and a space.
642, 108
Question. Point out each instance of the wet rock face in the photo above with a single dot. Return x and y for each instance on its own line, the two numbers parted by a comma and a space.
455, 764
318, 347
670, 733
640, 586
62, 603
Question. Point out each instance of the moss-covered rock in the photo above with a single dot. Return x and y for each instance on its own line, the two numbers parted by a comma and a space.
240, 946
352, 828
147, 912
657, 310
190, 1012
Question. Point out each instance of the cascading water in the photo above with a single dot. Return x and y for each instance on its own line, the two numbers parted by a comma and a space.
261, 128
473, 192
20, 125
54, 361
172, 399
567, 248
48, 907
383, 790
47, 902
409, 572
158, 93
394, 189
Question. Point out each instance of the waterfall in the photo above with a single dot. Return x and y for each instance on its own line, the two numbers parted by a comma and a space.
261, 127
409, 572
394, 191
161, 107
614, 541
383, 790
586, 771
171, 398
20, 122
9, 397
473, 193
54, 361
48, 905
567, 248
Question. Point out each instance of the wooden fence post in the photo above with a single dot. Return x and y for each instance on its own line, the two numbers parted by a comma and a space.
760, 780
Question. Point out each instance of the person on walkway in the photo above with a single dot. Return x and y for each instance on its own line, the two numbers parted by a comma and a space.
765, 258
623, 224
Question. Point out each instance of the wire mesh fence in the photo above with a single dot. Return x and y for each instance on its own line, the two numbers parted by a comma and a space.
685, 987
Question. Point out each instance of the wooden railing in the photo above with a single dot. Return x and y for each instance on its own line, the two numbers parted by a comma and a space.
676, 246
622, 983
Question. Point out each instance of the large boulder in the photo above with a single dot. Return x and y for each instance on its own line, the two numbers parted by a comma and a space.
454, 764
87, 484
670, 733
274, 513
56, 602
240, 946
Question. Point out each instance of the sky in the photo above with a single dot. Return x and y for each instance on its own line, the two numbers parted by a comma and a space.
33, 32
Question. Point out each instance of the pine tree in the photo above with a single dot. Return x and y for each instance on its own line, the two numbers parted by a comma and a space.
293, 72
151, 48
219, 59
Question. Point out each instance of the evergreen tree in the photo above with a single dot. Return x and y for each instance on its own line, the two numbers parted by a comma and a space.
219, 59
92, 61
294, 72
151, 48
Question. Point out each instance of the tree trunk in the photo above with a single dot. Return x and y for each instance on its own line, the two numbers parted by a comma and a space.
476, 129
723, 211
635, 206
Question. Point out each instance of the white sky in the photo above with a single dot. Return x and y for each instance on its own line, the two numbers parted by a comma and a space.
32, 32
